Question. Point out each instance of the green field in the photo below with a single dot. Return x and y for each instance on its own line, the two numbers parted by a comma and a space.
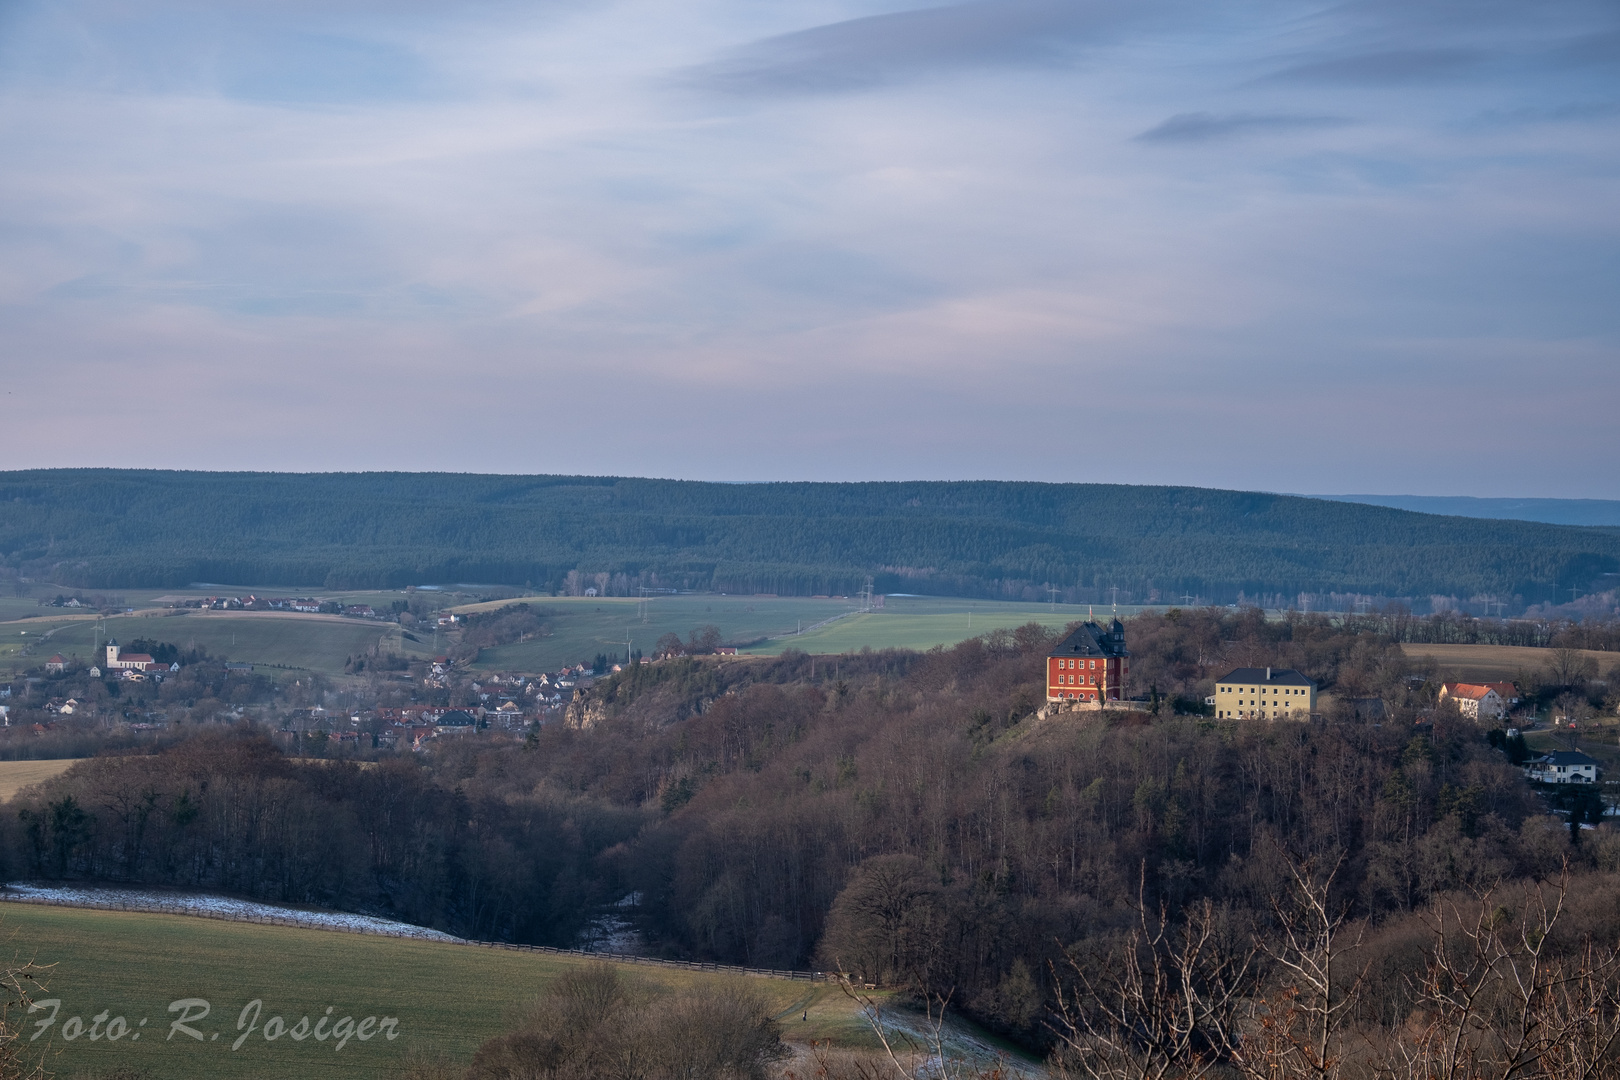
922, 624
273, 638
584, 626
316, 643
447, 998
581, 628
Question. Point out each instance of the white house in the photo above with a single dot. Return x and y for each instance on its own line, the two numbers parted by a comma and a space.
1562, 767
1481, 701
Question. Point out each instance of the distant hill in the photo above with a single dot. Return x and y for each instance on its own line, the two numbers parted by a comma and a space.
106, 528
1604, 512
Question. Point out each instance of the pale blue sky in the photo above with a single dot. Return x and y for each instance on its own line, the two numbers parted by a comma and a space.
1369, 246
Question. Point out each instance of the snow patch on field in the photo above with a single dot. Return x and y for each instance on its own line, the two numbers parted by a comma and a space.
215, 907
912, 1037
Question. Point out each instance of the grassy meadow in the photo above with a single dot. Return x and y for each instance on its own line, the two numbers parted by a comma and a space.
1493, 663
16, 775
311, 642
583, 627
447, 998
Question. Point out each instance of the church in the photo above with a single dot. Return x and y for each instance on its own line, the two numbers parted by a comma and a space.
119, 660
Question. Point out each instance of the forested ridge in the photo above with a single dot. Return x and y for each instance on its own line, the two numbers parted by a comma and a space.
106, 528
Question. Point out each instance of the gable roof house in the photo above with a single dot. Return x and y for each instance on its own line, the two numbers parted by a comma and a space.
55, 665
1562, 767
1265, 694
1480, 701
457, 721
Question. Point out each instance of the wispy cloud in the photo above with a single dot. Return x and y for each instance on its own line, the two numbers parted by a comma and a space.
815, 238
1206, 127
874, 49
1397, 66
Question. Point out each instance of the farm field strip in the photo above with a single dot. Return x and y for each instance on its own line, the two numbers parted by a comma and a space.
1496, 662
16, 775
585, 626
445, 997
320, 643
212, 907
229, 909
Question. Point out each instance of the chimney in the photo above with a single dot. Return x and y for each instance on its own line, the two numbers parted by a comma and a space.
1268, 674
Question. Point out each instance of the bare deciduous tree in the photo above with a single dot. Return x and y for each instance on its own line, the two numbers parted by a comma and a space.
18, 986
1165, 1007
1179, 1004
1499, 1005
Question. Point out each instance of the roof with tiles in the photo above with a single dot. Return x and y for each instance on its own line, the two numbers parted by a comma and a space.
1471, 691
1092, 639
1268, 676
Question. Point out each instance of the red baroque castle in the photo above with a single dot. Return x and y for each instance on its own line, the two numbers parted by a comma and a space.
1089, 665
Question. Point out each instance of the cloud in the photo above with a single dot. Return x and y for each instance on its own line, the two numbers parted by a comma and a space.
879, 240
869, 51
1601, 48
1569, 112
1394, 66
1207, 127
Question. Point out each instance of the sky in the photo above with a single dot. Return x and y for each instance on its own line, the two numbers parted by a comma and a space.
1289, 246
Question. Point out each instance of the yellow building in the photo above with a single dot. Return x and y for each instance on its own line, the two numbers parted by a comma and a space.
1265, 694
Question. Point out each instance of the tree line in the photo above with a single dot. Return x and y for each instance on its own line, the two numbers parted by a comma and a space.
227, 812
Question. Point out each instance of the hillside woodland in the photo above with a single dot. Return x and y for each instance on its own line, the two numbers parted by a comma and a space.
110, 528
903, 817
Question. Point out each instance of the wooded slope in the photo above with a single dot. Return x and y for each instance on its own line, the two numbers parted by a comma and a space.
107, 528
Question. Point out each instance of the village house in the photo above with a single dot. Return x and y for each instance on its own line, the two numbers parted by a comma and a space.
1562, 767
1265, 694
1480, 701
456, 722
121, 661
55, 665
1089, 665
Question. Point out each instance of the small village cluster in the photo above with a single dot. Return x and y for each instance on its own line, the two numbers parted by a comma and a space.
506, 702
306, 605
1087, 670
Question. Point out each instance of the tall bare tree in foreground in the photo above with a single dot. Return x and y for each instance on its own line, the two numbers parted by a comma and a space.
1501, 996
1496, 1003
18, 986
